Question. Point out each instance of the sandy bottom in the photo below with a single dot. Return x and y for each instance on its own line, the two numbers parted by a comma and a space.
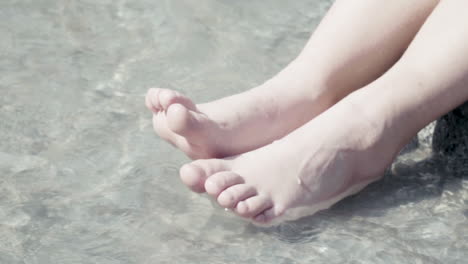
84, 179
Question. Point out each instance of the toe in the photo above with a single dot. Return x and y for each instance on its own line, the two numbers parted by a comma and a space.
148, 103
271, 213
194, 177
168, 97
253, 206
153, 99
218, 182
181, 120
195, 174
161, 128
211, 166
260, 218
188, 123
195, 127
234, 194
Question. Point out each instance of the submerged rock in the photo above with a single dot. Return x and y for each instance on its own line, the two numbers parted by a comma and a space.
450, 140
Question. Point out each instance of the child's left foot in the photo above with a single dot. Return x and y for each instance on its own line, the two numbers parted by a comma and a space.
329, 158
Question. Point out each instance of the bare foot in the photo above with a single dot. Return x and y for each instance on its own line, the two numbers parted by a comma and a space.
327, 159
242, 122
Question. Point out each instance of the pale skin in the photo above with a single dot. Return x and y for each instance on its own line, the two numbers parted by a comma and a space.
338, 114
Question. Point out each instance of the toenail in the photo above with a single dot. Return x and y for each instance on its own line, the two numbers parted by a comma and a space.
242, 207
211, 186
226, 195
209, 183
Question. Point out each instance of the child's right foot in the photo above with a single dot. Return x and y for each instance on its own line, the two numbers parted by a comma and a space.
242, 122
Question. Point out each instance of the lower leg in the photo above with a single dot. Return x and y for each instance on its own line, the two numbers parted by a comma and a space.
343, 54
334, 155
432, 76
357, 41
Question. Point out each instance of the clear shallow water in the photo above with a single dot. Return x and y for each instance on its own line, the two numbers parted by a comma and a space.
83, 179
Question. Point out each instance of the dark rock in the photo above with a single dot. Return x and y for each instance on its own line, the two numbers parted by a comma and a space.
450, 140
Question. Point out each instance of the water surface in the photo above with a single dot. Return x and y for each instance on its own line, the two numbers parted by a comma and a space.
83, 179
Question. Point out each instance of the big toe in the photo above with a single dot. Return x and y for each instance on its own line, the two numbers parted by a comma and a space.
194, 177
195, 127
181, 120
195, 174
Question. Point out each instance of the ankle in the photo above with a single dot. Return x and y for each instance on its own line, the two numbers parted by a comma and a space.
371, 143
391, 124
304, 79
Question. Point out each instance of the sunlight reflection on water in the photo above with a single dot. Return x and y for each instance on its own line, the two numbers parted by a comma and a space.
85, 180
